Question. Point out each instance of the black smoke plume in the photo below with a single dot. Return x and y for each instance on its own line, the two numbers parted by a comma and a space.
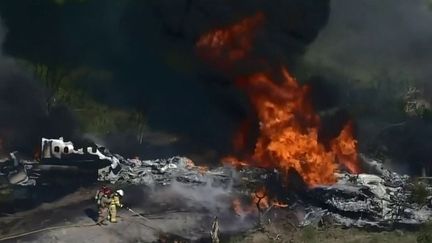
24, 117
149, 46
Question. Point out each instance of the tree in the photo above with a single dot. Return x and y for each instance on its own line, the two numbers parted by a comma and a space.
52, 78
140, 125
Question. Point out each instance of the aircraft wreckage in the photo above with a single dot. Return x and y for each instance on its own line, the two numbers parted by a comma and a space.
380, 199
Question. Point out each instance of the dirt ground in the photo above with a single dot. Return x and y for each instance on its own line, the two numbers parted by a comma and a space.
284, 233
78, 209
168, 225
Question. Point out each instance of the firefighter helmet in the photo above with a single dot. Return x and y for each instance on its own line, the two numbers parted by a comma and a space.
120, 192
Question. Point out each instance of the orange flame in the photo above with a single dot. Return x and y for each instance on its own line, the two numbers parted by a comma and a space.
192, 166
229, 44
235, 162
259, 199
240, 209
202, 169
288, 123
345, 148
288, 129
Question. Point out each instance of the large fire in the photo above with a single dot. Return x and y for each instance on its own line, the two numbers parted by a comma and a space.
287, 121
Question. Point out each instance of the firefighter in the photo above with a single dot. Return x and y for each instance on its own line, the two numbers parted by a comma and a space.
104, 203
115, 202
103, 200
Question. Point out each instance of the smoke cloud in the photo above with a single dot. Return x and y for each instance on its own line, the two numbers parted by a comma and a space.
24, 118
149, 48
365, 39
374, 50
208, 201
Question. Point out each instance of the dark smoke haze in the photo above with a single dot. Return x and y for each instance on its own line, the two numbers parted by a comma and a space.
380, 43
24, 118
366, 39
149, 48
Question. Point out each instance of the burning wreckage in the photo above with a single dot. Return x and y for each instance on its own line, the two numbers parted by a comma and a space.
381, 199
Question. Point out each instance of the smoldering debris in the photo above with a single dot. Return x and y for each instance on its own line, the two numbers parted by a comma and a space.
366, 200
205, 201
178, 186
177, 171
381, 199
151, 172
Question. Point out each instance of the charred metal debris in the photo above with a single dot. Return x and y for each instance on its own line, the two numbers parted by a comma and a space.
379, 199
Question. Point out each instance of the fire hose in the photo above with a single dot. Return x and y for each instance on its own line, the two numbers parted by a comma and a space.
142, 217
137, 214
63, 227
46, 229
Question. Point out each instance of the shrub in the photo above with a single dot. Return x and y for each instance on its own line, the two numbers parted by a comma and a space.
419, 193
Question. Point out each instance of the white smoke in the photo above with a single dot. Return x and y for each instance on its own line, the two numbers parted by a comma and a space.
205, 202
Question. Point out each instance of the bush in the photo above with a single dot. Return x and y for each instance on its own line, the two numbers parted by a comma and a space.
419, 193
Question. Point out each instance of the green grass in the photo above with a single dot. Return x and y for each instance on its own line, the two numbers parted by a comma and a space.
93, 116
